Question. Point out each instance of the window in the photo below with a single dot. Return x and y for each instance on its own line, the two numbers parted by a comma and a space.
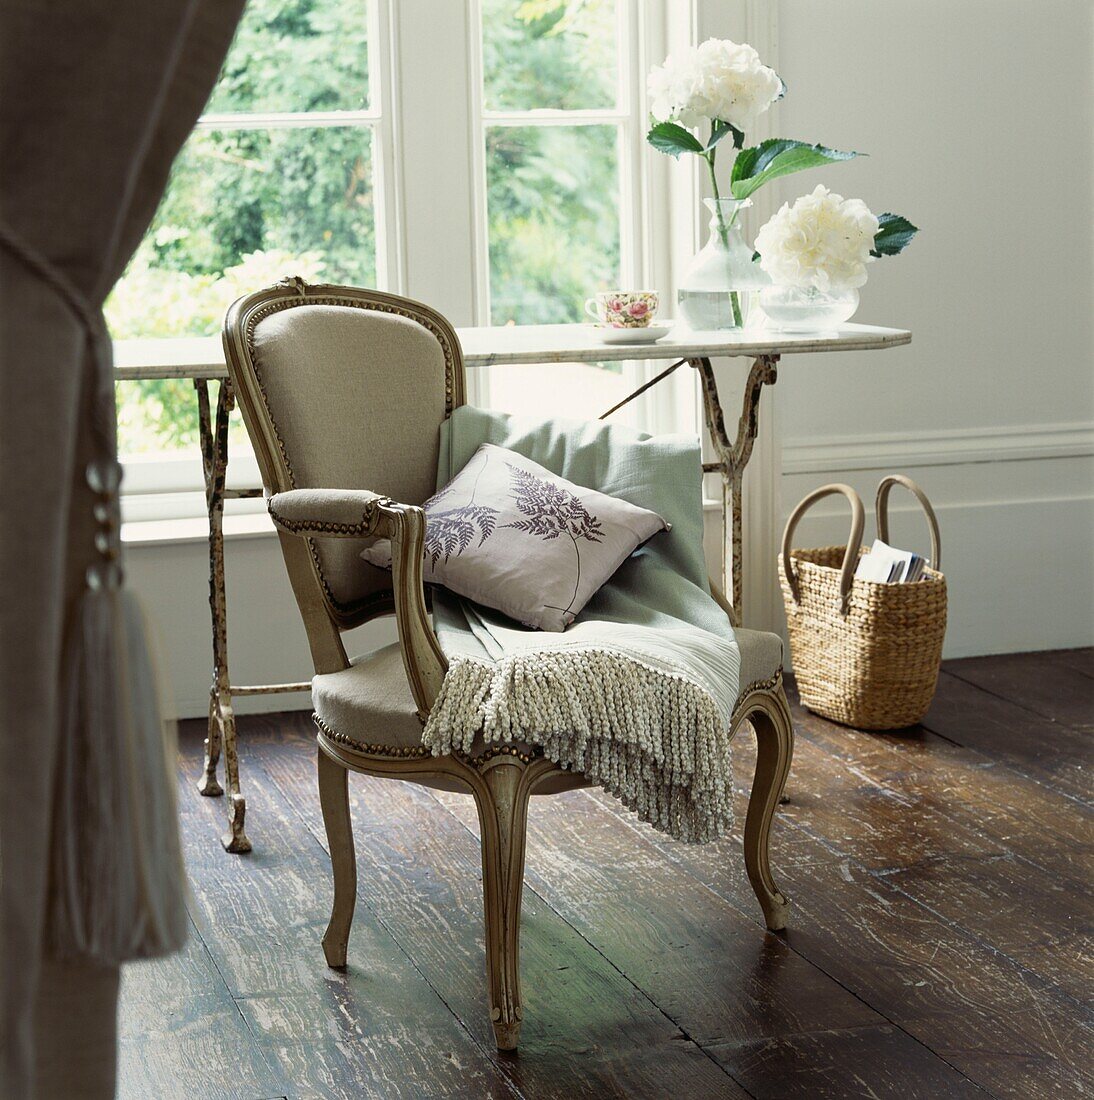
505, 183
555, 108
277, 176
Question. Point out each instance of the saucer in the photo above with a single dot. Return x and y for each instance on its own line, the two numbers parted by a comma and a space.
650, 334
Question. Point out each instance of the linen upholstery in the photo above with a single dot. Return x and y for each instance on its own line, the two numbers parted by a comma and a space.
357, 397
371, 703
761, 656
299, 510
507, 533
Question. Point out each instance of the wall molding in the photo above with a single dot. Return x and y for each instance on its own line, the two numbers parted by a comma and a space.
945, 447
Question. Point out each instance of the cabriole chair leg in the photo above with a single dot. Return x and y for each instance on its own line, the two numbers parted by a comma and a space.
334, 798
502, 803
774, 749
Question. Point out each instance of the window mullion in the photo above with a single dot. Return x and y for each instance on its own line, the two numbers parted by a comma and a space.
433, 121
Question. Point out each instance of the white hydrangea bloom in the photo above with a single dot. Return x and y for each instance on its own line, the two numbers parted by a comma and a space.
719, 79
822, 241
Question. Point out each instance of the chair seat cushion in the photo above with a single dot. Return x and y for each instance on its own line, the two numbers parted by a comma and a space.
370, 702
761, 656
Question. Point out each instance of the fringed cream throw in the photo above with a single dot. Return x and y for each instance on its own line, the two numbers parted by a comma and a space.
638, 692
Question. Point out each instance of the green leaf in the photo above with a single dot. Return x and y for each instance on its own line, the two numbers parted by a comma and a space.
894, 236
672, 138
777, 157
719, 129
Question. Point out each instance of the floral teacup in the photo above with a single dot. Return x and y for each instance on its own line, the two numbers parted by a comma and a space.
623, 308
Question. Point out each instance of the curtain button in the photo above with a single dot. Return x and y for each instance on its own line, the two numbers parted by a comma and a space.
105, 545
103, 574
104, 476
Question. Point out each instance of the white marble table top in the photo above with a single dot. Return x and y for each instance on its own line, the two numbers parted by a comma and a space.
202, 357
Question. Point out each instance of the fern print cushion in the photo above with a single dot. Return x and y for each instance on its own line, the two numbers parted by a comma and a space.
510, 535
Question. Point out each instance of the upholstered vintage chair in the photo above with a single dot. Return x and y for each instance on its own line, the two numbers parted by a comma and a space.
343, 391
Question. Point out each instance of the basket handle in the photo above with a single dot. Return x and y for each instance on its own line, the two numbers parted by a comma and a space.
882, 509
854, 542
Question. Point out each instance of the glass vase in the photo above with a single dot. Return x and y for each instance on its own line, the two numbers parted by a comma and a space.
806, 309
718, 289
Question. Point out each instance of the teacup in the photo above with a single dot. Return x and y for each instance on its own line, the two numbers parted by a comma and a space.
623, 308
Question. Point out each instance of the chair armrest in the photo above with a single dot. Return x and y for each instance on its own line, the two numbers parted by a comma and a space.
358, 513
326, 513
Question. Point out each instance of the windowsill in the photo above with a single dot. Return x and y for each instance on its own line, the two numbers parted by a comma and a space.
256, 525
178, 532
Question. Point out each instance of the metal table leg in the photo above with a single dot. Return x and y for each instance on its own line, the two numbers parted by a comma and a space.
732, 457
732, 460
222, 723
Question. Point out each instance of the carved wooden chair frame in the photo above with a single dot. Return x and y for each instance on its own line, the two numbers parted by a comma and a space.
501, 779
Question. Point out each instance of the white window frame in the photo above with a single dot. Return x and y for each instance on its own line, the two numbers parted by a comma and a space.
429, 185
170, 486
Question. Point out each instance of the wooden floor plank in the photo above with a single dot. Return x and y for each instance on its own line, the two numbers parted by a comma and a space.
966, 1002
878, 1063
1054, 754
1044, 924
704, 964
182, 1036
939, 941
263, 916
587, 1030
864, 804
701, 962
965, 804
1040, 683
1082, 660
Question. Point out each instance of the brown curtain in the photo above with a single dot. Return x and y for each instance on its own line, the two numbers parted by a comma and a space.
96, 98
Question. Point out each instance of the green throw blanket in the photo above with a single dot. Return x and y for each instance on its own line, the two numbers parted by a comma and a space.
638, 692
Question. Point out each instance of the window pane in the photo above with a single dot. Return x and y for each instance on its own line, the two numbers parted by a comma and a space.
297, 55
243, 209
553, 220
549, 53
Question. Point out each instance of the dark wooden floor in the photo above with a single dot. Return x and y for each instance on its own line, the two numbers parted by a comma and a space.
938, 946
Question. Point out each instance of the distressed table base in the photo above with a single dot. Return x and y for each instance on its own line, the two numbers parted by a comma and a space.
221, 736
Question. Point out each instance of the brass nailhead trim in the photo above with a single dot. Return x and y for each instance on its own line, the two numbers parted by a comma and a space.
415, 752
392, 751
364, 528
756, 685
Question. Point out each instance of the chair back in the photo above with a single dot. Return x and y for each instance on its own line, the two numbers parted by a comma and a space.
342, 388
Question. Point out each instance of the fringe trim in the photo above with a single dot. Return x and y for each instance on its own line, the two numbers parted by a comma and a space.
654, 740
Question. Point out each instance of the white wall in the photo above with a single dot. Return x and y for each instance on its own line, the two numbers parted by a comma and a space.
266, 640
977, 117
978, 120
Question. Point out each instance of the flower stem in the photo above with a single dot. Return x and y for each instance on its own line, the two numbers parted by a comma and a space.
723, 228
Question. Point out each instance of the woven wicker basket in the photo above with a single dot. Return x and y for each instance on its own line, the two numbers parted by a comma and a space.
865, 654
